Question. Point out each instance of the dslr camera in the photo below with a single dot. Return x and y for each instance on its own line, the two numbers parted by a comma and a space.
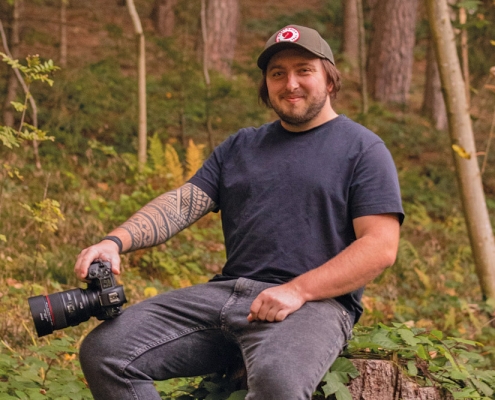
102, 299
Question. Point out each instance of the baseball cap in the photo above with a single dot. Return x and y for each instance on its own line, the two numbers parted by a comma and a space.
294, 36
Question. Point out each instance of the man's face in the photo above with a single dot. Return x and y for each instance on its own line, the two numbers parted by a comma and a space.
298, 89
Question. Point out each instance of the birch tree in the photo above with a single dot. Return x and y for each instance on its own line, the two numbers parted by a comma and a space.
141, 54
463, 145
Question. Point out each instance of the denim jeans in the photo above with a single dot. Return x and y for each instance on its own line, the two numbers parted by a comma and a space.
200, 329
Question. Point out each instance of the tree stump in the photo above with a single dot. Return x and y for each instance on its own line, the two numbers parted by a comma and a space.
383, 380
377, 380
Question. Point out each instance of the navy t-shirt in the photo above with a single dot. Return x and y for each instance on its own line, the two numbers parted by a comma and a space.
287, 199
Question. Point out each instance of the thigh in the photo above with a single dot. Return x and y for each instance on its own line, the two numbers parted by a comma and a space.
288, 359
173, 334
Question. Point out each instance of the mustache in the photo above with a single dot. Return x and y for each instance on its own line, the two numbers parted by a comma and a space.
296, 93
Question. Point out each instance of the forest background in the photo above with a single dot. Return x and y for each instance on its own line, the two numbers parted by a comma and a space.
60, 195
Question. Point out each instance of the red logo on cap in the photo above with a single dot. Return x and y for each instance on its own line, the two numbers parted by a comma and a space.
288, 35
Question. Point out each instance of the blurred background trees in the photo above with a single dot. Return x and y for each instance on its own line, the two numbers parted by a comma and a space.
201, 86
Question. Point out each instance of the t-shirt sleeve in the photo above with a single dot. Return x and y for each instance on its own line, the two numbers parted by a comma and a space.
375, 184
207, 178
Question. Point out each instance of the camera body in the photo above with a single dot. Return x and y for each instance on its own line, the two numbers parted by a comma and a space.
102, 299
111, 295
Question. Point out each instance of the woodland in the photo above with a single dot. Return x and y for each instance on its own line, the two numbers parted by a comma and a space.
120, 101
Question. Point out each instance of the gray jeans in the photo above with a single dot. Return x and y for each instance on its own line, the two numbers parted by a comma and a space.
200, 329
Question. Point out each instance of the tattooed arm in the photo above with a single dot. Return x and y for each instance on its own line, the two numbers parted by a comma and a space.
155, 223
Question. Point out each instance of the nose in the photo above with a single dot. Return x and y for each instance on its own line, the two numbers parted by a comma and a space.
292, 81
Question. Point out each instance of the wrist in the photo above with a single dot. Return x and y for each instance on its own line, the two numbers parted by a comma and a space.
116, 240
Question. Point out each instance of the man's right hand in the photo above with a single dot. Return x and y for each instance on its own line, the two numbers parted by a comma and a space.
106, 250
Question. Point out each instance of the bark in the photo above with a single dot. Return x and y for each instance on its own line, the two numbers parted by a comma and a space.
206, 74
391, 51
350, 39
222, 20
163, 16
433, 103
362, 59
464, 53
141, 57
383, 380
377, 380
461, 135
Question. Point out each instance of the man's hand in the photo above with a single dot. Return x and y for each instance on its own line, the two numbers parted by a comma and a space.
276, 303
104, 251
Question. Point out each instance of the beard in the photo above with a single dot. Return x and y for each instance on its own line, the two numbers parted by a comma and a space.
295, 117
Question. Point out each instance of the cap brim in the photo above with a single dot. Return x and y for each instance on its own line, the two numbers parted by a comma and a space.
270, 51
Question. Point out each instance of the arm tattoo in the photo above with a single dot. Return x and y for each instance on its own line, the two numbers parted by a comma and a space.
166, 215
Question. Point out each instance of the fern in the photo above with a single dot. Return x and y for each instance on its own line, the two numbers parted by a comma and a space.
175, 172
194, 158
156, 154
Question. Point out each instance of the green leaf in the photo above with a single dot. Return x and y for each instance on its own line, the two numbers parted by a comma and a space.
332, 384
422, 353
466, 341
408, 337
343, 394
412, 370
382, 340
437, 334
238, 395
18, 106
482, 387
344, 365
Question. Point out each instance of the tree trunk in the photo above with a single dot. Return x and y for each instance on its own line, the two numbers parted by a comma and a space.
63, 33
433, 103
464, 54
206, 74
141, 56
391, 51
13, 83
462, 138
163, 16
222, 23
362, 58
382, 380
350, 37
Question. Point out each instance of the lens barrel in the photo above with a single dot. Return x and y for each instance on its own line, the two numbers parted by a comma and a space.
60, 310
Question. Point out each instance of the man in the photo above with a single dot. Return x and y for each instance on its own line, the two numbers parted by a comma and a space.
311, 212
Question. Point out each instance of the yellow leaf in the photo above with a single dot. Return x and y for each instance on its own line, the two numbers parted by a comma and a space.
150, 291
461, 151
3, 238
425, 279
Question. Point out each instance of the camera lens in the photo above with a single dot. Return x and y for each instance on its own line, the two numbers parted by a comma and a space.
60, 310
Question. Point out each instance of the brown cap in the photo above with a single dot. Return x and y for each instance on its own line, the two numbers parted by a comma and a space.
294, 36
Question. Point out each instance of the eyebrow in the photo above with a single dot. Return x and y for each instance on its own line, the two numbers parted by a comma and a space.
301, 64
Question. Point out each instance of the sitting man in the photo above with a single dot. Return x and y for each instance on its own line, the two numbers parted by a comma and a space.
311, 211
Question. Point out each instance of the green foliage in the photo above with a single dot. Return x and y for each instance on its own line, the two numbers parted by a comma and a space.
430, 357
49, 371
335, 380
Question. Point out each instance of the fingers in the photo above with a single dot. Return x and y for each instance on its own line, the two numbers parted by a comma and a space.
275, 304
104, 251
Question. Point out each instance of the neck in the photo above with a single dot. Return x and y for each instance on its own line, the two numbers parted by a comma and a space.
326, 114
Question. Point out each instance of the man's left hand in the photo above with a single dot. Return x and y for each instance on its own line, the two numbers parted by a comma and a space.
275, 304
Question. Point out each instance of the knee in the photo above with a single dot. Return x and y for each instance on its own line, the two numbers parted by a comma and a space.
93, 350
271, 382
